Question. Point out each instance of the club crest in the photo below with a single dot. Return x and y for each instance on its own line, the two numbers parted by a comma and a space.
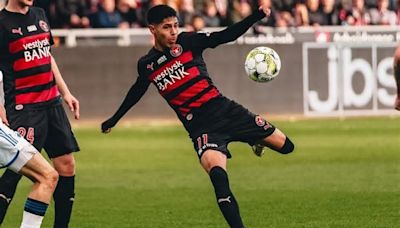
176, 50
43, 25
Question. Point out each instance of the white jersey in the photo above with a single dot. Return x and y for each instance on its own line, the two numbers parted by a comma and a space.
15, 151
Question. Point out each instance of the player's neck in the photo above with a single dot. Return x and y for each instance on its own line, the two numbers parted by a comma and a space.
159, 47
16, 8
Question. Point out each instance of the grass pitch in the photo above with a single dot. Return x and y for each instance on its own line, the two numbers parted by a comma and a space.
343, 173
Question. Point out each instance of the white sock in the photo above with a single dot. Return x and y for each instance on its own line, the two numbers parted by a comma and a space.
30, 220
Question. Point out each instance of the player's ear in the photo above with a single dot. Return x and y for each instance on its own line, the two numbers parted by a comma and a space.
152, 28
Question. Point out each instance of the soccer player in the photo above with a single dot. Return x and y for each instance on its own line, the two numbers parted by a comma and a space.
176, 67
396, 67
33, 88
20, 156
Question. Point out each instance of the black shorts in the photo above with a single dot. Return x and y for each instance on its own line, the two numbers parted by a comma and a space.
221, 121
47, 128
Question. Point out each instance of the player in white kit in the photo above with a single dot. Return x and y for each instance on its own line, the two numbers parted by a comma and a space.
20, 156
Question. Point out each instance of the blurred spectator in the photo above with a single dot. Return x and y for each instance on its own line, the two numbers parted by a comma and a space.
397, 11
197, 23
330, 12
107, 16
141, 9
266, 21
284, 5
382, 15
127, 10
358, 14
285, 19
241, 9
72, 14
310, 13
48, 7
222, 8
210, 14
2, 4
186, 11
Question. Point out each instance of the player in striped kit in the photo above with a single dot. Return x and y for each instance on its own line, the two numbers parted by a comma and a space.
176, 67
34, 90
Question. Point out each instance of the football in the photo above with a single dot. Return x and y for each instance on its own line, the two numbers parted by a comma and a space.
262, 64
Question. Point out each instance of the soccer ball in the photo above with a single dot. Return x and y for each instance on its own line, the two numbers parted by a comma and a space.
262, 64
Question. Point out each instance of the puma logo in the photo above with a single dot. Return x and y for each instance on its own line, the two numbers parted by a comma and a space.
227, 199
8, 200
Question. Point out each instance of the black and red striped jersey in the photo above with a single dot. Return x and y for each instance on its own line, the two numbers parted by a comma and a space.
25, 59
180, 73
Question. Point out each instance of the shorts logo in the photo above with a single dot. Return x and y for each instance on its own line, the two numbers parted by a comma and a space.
19, 107
260, 121
176, 50
43, 25
189, 116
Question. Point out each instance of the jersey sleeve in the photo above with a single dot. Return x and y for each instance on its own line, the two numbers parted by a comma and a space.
134, 94
43, 15
231, 33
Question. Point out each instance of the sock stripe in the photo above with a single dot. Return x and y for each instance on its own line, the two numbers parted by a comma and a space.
35, 207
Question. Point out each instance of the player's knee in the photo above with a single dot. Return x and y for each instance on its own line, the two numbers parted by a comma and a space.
51, 179
65, 165
219, 179
287, 147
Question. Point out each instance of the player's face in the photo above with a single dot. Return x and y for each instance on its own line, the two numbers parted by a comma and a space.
165, 33
23, 3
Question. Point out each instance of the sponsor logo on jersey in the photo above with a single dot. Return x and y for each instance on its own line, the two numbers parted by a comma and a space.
31, 28
17, 31
170, 75
162, 59
176, 50
43, 25
37, 49
150, 66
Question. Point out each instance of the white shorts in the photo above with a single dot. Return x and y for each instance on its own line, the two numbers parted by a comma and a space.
15, 151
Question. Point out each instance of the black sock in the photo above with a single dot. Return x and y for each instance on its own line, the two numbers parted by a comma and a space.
63, 199
226, 201
8, 185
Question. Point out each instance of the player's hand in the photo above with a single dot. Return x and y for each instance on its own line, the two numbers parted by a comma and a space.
73, 104
107, 125
265, 9
397, 103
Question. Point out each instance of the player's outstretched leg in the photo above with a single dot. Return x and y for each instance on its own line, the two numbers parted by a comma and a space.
214, 162
45, 179
64, 195
277, 141
8, 186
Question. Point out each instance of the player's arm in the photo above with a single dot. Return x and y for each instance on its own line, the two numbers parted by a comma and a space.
134, 94
232, 32
396, 67
71, 101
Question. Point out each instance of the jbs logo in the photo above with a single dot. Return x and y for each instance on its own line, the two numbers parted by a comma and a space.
355, 79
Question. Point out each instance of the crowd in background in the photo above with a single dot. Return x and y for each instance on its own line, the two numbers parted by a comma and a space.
196, 14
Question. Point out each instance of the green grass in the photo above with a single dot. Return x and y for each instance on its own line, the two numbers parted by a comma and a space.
344, 173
